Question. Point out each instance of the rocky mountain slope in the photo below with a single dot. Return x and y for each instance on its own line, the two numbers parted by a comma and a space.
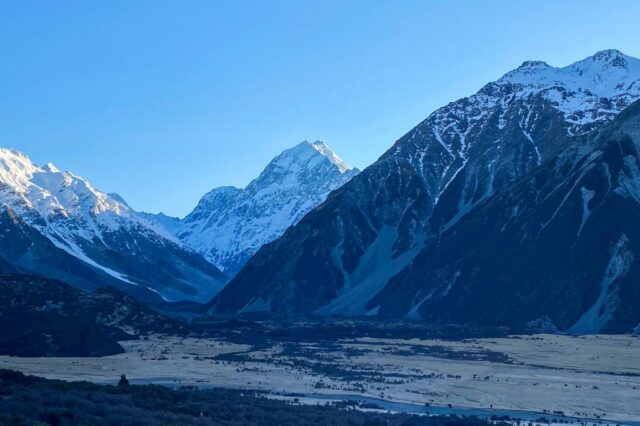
555, 251
230, 224
341, 259
57, 224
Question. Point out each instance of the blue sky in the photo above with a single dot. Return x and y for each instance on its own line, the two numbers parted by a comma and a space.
163, 100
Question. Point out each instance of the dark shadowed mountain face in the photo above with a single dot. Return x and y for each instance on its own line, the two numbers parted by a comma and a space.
230, 224
556, 250
341, 259
57, 224
45, 317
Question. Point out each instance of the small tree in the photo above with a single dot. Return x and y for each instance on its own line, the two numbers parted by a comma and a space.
123, 381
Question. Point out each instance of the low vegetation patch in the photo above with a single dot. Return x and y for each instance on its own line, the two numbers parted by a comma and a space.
29, 400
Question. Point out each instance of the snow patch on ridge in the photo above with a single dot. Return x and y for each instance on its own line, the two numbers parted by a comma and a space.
77, 252
414, 311
587, 196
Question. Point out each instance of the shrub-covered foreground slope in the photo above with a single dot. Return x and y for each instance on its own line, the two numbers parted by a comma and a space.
29, 400
46, 317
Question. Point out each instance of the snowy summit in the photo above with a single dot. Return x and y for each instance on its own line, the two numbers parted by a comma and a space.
230, 224
90, 238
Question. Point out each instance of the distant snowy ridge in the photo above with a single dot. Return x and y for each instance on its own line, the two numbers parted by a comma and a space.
84, 222
68, 204
593, 89
230, 224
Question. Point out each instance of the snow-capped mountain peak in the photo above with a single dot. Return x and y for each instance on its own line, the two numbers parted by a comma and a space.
15, 167
50, 167
612, 57
606, 74
305, 155
86, 223
324, 149
50, 192
230, 224
533, 66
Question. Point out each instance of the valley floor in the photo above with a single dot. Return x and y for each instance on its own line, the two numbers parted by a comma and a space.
590, 377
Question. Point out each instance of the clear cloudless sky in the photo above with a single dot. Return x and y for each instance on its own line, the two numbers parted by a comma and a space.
161, 101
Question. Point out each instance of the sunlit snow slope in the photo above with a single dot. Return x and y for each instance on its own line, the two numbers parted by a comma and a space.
230, 224
59, 225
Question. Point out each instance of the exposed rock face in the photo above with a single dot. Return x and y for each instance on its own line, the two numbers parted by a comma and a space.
561, 244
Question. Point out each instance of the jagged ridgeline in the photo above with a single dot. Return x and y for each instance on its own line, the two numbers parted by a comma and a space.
58, 225
516, 206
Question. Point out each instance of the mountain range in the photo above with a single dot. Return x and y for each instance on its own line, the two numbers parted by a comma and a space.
518, 207
515, 206
56, 224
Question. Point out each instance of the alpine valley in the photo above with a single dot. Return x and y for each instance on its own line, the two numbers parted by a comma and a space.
484, 271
